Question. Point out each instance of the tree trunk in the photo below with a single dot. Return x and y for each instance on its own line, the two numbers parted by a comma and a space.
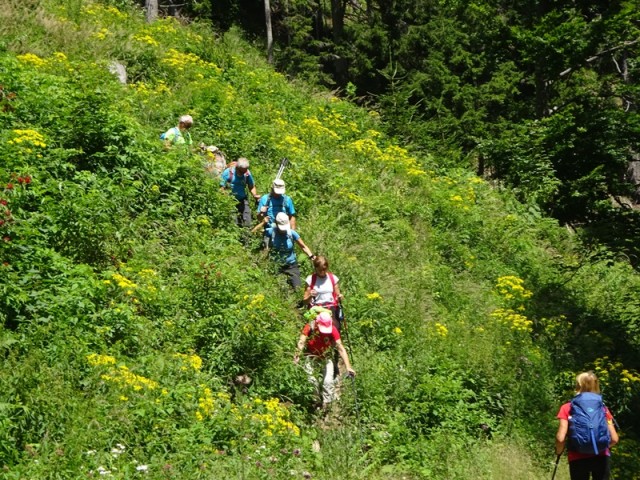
337, 20
267, 18
340, 64
318, 21
151, 7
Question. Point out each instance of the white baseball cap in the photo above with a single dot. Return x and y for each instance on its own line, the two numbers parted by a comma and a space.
278, 186
282, 221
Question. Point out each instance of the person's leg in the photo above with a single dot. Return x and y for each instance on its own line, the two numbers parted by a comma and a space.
328, 390
239, 210
336, 356
293, 275
601, 467
245, 214
307, 366
337, 321
580, 469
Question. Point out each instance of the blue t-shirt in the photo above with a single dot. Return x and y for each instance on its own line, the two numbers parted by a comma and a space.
282, 245
238, 183
275, 205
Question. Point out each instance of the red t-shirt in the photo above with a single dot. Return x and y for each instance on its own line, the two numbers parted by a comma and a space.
563, 414
319, 342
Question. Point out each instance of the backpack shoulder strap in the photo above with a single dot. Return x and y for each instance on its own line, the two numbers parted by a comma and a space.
314, 278
312, 329
333, 287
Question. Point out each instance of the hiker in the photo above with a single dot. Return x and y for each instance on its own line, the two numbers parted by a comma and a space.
323, 290
282, 239
179, 135
238, 179
592, 458
315, 342
274, 202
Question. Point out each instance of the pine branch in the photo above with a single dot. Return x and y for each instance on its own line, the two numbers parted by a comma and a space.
600, 54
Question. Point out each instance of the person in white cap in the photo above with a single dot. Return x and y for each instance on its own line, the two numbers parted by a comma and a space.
179, 135
275, 202
282, 240
316, 341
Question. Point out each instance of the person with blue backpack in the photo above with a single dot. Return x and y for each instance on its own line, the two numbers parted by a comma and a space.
282, 241
238, 179
587, 431
273, 203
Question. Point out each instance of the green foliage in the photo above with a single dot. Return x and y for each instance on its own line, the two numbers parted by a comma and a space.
138, 334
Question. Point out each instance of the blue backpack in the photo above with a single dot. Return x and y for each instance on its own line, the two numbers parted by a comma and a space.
176, 130
588, 429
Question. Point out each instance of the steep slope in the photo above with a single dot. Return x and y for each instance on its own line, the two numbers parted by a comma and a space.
129, 305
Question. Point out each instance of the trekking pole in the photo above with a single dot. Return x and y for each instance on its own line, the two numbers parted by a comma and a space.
346, 331
283, 163
556, 467
357, 408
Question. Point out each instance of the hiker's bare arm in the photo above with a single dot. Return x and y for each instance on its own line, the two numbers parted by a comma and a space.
258, 226
304, 248
344, 357
339, 296
262, 215
292, 221
614, 434
254, 192
306, 298
561, 436
302, 341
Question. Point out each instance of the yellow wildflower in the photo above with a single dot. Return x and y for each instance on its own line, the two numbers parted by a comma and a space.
33, 59
441, 329
97, 360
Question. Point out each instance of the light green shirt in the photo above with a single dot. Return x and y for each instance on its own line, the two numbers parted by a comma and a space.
176, 137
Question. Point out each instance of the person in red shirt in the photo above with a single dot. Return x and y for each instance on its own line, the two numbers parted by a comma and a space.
582, 465
316, 342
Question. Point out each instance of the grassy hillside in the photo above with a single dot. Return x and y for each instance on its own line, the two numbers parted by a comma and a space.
129, 304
